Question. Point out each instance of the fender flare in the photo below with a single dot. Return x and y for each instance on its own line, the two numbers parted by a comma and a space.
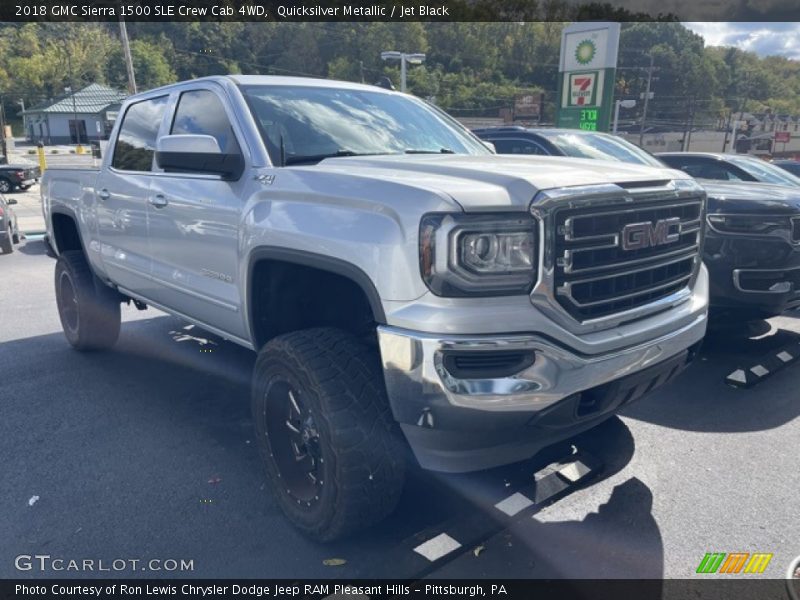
67, 212
317, 261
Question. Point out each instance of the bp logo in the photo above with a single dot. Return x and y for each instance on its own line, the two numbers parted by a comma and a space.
585, 51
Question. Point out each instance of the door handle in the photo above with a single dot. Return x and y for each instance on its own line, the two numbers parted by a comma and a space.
104, 194
159, 201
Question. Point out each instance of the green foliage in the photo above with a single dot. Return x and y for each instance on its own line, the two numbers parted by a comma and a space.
471, 68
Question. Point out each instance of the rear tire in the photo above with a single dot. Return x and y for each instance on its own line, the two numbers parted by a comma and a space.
332, 451
89, 311
7, 243
5, 186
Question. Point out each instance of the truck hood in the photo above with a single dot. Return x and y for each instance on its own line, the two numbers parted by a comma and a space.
750, 197
494, 181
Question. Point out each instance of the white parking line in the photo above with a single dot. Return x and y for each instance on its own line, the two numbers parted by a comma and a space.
436, 548
513, 504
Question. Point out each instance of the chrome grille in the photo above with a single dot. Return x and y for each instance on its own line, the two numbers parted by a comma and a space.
595, 276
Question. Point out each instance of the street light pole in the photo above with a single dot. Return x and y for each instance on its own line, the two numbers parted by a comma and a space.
416, 58
623, 104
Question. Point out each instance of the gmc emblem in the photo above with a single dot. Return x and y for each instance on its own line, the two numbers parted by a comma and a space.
646, 235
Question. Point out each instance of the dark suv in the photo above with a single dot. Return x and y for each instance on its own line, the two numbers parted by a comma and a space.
752, 241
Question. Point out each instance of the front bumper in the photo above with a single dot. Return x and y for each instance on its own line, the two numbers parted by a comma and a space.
758, 274
461, 423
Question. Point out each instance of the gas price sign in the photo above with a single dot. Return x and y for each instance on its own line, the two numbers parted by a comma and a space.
588, 119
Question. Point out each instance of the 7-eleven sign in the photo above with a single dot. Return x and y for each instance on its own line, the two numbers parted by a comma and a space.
582, 89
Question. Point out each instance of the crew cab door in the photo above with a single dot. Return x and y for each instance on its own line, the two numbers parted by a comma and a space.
194, 222
122, 189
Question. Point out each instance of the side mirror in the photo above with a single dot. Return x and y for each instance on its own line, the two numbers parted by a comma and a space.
490, 146
191, 153
11, 201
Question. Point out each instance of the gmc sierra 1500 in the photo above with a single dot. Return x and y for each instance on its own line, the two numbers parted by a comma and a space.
397, 279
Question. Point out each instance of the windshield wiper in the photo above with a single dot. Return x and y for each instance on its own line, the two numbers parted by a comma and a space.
312, 158
439, 151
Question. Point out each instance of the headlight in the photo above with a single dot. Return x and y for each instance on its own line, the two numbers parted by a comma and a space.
478, 255
748, 224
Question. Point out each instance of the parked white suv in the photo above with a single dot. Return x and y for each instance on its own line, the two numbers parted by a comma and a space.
399, 282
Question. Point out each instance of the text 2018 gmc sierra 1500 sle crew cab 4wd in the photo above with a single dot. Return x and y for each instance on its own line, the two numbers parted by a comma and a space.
399, 281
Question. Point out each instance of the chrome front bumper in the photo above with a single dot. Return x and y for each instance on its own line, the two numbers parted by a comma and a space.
414, 368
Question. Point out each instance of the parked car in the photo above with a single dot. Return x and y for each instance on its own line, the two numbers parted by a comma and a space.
565, 142
752, 247
392, 274
728, 167
792, 166
17, 176
9, 229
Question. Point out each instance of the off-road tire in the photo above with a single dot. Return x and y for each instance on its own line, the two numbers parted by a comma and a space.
89, 311
7, 243
362, 457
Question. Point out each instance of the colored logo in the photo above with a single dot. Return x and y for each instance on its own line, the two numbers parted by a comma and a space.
585, 51
734, 563
582, 88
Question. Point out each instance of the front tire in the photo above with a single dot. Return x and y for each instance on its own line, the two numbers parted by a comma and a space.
332, 451
5, 186
89, 312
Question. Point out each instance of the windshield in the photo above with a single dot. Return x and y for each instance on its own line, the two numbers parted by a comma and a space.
312, 123
764, 171
599, 146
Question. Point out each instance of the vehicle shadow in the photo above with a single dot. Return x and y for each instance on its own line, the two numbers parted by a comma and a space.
621, 540
32, 247
150, 445
699, 400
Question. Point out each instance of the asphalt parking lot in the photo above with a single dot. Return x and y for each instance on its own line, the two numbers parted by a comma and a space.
146, 452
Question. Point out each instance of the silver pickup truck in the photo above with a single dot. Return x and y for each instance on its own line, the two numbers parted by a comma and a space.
401, 284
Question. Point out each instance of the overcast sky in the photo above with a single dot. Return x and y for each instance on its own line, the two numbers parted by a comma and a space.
764, 39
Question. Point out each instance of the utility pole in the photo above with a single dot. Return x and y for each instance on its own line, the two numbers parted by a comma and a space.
688, 137
646, 100
741, 114
727, 130
72, 92
126, 51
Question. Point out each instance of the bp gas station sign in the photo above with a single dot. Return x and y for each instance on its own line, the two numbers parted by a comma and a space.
587, 69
